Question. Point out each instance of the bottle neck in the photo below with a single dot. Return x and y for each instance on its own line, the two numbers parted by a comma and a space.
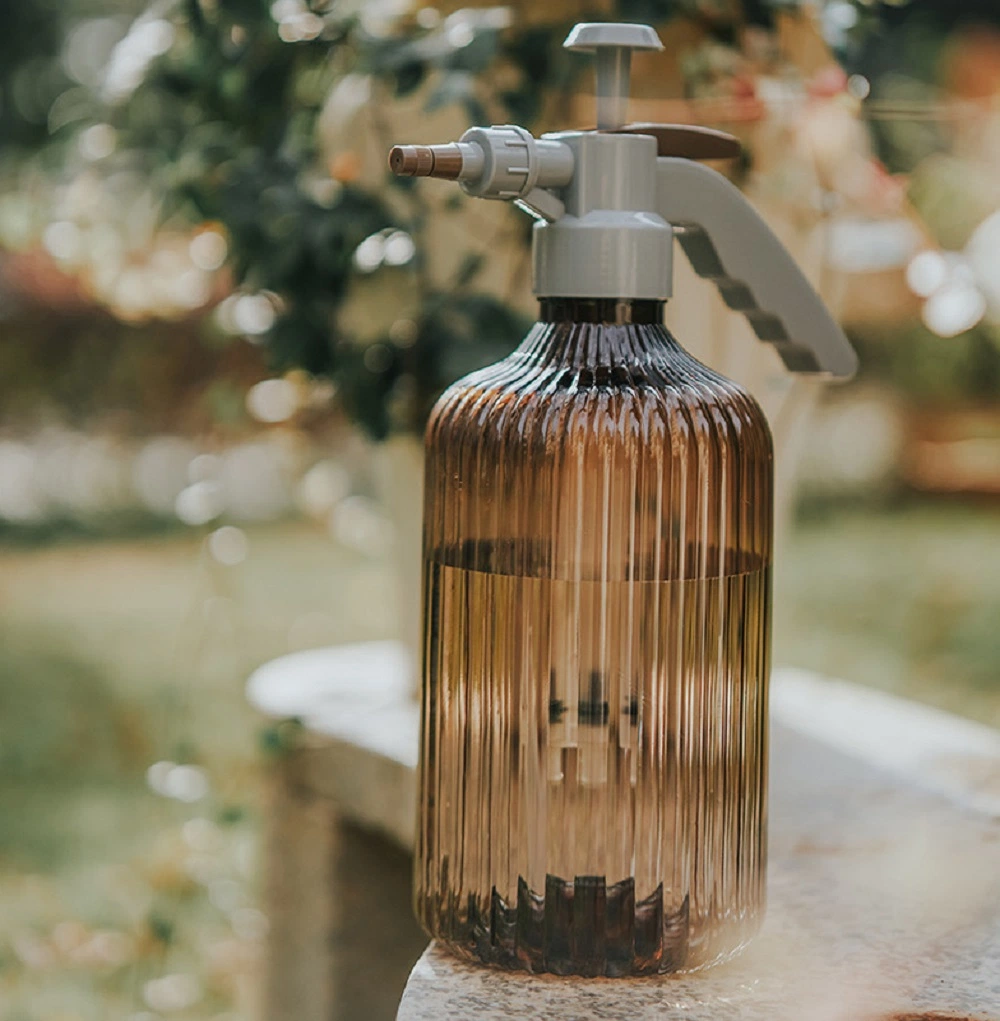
611, 311
599, 333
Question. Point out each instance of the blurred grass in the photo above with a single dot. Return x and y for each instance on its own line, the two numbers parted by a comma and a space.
904, 599
115, 654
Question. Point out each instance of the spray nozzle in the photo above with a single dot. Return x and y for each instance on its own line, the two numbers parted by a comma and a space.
611, 201
444, 161
501, 162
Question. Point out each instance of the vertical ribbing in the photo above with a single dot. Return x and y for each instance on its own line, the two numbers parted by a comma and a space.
597, 548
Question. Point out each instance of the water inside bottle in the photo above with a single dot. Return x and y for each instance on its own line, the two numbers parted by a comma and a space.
593, 779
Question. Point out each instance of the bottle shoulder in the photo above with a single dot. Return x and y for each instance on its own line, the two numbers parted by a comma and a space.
655, 390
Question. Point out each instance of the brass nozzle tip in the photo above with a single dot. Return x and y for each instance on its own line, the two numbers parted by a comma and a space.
411, 160
443, 161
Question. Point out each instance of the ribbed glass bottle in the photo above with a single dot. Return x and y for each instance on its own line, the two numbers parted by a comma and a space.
597, 550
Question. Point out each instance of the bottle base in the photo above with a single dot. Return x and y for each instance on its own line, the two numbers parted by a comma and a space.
585, 928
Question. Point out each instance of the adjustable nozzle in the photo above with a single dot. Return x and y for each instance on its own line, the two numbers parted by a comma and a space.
501, 162
444, 161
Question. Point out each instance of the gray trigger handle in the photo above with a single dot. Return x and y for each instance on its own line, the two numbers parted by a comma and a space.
728, 242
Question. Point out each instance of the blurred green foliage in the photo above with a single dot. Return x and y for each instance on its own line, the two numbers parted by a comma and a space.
30, 76
933, 371
110, 661
224, 125
908, 604
226, 122
221, 123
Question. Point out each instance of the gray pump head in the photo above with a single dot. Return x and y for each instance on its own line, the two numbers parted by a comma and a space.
610, 202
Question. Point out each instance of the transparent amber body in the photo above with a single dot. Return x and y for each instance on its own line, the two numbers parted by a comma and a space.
597, 549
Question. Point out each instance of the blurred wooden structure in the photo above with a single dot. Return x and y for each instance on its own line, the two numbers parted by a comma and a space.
340, 825
954, 453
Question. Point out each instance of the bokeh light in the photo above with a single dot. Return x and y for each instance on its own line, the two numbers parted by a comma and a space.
300, 27
459, 34
63, 239
369, 254
228, 545
97, 141
954, 308
926, 272
983, 254
181, 782
172, 993
403, 333
88, 46
253, 314
208, 250
399, 249
322, 487
200, 503
147, 39
201, 834
160, 472
428, 17
272, 400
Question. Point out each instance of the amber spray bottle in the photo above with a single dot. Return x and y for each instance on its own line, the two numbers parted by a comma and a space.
597, 555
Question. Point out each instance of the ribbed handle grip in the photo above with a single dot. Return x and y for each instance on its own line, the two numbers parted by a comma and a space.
728, 243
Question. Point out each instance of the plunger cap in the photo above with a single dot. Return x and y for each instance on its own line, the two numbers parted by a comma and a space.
613, 43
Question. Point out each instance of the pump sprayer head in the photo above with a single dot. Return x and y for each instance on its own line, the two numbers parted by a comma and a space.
609, 203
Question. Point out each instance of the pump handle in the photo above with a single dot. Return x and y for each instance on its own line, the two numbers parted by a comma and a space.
728, 243
692, 141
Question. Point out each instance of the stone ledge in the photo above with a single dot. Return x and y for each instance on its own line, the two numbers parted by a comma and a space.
884, 881
884, 900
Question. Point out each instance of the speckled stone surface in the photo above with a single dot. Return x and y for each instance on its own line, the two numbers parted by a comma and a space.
884, 899
884, 883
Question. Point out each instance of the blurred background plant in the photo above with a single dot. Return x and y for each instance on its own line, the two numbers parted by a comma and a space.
214, 300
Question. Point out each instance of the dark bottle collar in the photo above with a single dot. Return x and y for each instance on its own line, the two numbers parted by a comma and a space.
617, 311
